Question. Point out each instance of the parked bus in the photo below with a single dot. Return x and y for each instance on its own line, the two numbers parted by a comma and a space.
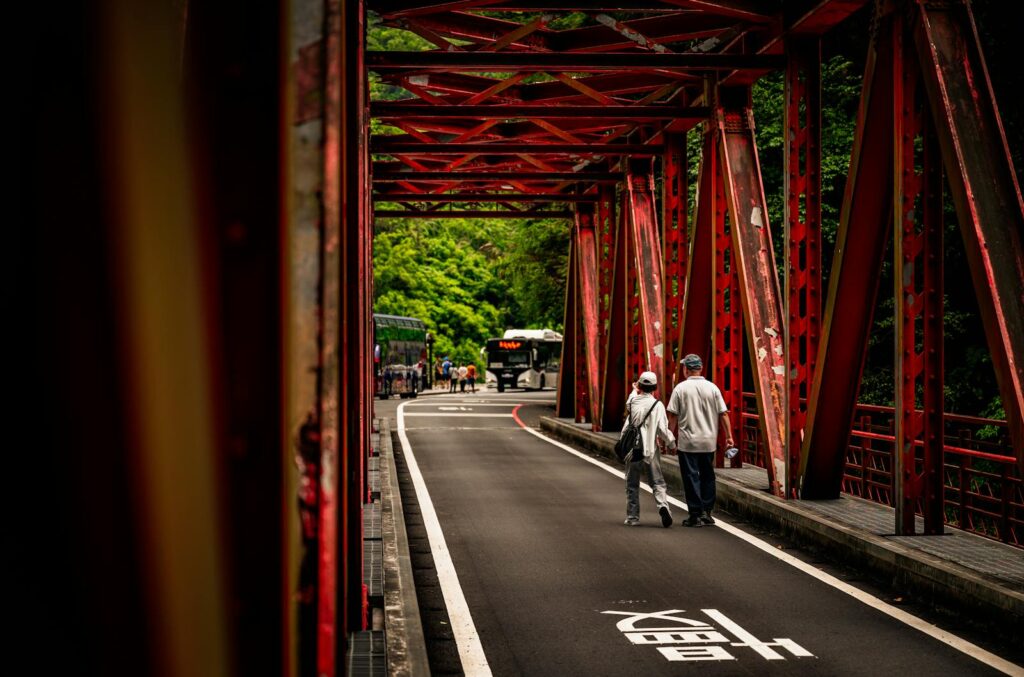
399, 355
524, 358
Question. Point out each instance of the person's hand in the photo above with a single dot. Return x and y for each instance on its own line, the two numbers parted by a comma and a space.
729, 442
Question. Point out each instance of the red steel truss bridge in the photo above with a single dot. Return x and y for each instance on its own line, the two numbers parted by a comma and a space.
200, 352
509, 116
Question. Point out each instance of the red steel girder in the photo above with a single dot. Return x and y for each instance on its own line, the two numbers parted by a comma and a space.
663, 28
699, 293
747, 10
642, 220
419, 111
754, 261
587, 314
727, 324
614, 381
802, 160
675, 244
568, 61
475, 28
605, 226
446, 177
565, 402
470, 198
864, 226
383, 145
917, 273
471, 214
984, 187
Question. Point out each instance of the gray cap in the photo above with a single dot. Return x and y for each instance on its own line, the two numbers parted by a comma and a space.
693, 362
648, 378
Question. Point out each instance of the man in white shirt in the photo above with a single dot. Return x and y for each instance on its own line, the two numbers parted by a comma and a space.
695, 411
655, 428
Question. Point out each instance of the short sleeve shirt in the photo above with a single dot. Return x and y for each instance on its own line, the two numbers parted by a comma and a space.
698, 404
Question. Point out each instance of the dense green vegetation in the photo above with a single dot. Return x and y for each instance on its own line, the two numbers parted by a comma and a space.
470, 279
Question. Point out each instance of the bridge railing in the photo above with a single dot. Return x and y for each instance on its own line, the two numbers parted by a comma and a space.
984, 491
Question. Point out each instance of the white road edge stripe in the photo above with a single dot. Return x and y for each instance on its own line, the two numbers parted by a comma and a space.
471, 653
962, 645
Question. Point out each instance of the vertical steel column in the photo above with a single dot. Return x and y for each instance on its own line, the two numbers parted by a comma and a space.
354, 354
565, 405
675, 241
917, 258
329, 589
853, 283
984, 187
727, 337
754, 261
699, 294
614, 378
587, 279
802, 160
606, 256
634, 330
647, 264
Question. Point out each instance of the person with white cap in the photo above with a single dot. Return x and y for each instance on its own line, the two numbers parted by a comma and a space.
647, 412
695, 411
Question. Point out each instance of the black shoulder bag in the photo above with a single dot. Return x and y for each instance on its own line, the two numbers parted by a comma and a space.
631, 442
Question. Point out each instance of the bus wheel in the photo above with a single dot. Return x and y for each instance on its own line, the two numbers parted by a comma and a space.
541, 382
501, 387
413, 395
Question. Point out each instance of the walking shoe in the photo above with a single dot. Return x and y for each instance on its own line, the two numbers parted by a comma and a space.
666, 517
706, 518
631, 522
692, 521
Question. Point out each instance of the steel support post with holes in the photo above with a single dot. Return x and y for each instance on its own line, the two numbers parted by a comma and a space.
802, 161
675, 243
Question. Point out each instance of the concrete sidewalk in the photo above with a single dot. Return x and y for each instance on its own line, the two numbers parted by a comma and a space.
958, 570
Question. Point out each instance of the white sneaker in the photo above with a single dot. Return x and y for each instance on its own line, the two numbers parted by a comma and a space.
631, 522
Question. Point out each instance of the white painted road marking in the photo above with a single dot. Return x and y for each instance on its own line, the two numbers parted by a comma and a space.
471, 653
958, 643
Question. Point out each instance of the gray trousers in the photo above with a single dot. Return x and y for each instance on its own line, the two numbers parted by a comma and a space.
652, 469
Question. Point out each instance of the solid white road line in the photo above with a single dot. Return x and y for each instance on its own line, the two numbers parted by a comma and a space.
471, 653
958, 643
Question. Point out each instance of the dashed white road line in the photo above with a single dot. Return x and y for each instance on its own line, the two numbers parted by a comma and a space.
471, 653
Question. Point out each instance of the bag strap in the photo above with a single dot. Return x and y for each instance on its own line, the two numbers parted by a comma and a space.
644, 419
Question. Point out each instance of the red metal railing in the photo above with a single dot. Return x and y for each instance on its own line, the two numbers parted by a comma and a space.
984, 491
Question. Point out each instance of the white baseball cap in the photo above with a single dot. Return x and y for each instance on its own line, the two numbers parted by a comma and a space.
648, 378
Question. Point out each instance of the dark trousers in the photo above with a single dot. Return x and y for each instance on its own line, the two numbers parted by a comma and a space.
698, 471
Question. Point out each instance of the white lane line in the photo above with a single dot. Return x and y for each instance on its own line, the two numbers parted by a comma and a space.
471, 653
464, 404
958, 643
445, 414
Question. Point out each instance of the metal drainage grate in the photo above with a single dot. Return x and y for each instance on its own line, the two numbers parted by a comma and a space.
366, 655
373, 568
371, 521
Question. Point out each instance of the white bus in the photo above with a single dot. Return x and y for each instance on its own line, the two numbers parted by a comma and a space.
524, 358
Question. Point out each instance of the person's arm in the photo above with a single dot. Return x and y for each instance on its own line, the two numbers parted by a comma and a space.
724, 420
664, 430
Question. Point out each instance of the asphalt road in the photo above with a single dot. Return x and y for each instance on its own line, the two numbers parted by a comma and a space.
555, 584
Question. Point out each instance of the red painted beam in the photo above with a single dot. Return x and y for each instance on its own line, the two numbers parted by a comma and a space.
614, 382
663, 29
446, 177
754, 261
587, 303
642, 220
471, 214
471, 198
585, 62
695, 335
565, 403
864, 226
420, 111
984, 187
383, 145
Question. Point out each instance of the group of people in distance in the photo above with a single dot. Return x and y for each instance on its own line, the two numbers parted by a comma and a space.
688, 425
455, 376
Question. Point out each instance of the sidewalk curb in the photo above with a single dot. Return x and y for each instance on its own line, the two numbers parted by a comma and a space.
931, 578
406, 647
